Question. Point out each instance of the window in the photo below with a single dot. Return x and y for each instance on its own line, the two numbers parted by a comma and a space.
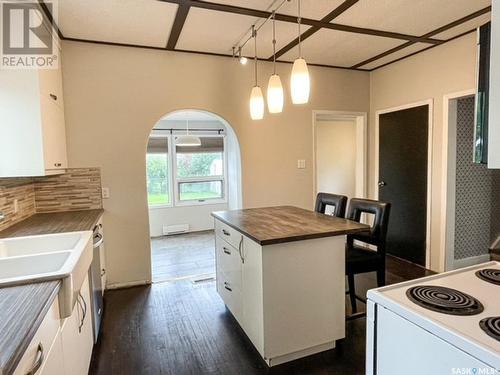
182, 175
157, 171
200, 170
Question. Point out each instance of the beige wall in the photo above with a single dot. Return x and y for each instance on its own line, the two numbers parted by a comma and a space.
115, 95
430, 75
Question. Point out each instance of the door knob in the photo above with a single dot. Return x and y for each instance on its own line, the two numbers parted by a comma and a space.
382, 183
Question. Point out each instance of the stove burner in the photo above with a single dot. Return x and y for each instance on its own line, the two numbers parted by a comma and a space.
491, 326
444, 300
490, 275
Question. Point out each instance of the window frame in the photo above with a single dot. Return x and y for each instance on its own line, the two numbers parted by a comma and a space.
177, 181
169, 180
174, 181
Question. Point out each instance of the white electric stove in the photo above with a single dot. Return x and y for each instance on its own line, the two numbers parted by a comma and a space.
447, 323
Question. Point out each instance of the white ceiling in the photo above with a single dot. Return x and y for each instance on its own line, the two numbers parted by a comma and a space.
149, 23
142, 22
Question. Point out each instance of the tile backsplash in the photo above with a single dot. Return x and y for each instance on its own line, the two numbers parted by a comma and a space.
77, 189
24, 191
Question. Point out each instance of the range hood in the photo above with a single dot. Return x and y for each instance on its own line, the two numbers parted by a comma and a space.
480, 155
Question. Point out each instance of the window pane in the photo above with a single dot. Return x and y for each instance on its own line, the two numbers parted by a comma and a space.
203, 164
200, 190
157, 178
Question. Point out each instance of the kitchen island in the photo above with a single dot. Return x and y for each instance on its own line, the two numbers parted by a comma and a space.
281, 273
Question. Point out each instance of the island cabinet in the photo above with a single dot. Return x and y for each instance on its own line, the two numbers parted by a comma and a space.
281, 273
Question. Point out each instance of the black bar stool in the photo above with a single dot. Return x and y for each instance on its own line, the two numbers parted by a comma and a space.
339, 202
361, 259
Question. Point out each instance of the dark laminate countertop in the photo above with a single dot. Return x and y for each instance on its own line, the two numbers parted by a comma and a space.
272, 225
57, 222
22, 309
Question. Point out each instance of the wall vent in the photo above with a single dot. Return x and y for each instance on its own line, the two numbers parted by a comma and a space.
175, 229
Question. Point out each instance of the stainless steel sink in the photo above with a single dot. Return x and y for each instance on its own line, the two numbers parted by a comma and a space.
65, 256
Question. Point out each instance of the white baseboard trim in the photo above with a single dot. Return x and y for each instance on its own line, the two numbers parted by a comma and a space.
465, 262
127, 284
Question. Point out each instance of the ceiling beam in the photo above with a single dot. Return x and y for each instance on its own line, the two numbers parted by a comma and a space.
47, 13
328, 18
306, 21
180, 19
163, 49
428, 35
423, 50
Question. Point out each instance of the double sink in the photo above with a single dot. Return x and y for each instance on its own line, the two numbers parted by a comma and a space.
65, 256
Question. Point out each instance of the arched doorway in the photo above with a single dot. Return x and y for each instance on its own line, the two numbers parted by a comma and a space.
187, 181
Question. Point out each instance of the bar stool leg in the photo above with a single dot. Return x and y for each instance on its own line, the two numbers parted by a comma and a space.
352, 292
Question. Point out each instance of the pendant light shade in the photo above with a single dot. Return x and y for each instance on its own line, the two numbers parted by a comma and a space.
256, 104
274, 87
256, 97
300, 82
275, 94
188, 140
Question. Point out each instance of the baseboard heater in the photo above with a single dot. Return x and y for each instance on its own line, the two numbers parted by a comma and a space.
175, 229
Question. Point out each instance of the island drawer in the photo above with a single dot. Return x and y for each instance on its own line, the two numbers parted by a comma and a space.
40, 345
228, 234
230, 293
228, 257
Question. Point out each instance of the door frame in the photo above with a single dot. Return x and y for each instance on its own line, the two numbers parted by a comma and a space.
430, 103
361, 120
449, 167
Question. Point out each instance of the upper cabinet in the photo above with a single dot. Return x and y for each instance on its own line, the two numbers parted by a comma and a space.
494, 109
32, 128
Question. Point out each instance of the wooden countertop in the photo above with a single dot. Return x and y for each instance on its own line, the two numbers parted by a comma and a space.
272, 225
57, 222
22, 309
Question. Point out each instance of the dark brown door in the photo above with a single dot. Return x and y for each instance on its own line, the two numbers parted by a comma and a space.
403, 180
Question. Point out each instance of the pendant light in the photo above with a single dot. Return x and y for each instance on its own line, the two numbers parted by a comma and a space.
188, 140
256, 98
300, 83
274, 87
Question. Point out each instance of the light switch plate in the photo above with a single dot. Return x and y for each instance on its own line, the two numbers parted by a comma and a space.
105, 193
301, 164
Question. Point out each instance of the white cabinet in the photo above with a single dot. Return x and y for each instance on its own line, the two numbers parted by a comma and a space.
76, 335
494, 109
32, 131
41, 350
289, 298
61, 347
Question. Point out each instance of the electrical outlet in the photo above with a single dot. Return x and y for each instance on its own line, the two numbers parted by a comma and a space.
16, 206
301, 164
105, 193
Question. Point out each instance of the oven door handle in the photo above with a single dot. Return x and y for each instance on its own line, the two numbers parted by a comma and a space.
98, 240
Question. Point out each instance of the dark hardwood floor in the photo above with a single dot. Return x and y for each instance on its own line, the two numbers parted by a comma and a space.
182, 328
